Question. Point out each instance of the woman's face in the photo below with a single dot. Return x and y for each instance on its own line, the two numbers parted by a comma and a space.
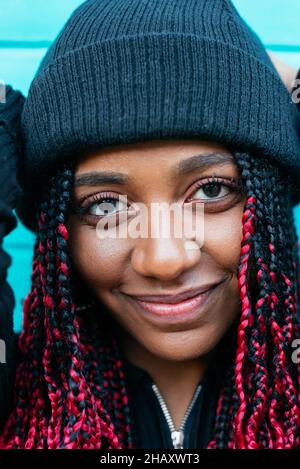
118, 270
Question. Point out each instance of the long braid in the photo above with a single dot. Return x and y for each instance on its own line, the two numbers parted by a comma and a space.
257, 339
265, 392
30, 370
59, 395
112, 391
281, 297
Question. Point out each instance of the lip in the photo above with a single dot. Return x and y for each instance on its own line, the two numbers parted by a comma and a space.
175, 299
185, 312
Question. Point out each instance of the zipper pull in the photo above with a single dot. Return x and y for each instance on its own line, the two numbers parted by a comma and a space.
177, 438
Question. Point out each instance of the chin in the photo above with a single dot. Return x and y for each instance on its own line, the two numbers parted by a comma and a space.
183, 345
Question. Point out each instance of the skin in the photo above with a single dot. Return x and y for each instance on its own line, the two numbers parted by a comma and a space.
176, 356
286, 72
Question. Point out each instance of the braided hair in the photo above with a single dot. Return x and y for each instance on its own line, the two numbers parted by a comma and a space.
259, 404
70, 390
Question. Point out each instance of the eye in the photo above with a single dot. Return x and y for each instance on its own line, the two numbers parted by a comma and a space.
212, 190
215, 189
106, 206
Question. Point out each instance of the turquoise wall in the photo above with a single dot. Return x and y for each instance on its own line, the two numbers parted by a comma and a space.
29, 26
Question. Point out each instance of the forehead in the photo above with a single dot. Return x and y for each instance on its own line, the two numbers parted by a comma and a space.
178, 156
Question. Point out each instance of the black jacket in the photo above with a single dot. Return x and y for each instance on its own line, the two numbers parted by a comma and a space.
151, 416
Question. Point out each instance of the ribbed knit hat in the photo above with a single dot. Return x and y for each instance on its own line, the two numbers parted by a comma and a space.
124, 71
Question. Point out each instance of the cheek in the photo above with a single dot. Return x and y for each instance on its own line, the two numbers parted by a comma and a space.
222, 237
99, 261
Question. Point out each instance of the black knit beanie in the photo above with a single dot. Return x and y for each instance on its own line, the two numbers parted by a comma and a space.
124, 71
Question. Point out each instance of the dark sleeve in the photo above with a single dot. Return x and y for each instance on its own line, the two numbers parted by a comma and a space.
10, 112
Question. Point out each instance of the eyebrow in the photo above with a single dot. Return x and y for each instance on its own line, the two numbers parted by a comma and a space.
202, 161
96, 178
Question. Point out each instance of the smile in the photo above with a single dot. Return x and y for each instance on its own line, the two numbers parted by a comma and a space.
165, 309
186, 311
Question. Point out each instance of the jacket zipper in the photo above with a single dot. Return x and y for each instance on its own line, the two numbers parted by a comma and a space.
177, 435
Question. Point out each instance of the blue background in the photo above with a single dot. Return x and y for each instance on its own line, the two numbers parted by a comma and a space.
29, 26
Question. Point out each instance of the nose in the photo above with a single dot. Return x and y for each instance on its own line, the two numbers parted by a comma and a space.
164, 259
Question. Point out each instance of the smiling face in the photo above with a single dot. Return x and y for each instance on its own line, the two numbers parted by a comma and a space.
120, 269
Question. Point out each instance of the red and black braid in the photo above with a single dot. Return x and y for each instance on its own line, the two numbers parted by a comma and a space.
264, 410
63, 376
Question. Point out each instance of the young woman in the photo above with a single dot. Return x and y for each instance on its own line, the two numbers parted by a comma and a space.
147, 341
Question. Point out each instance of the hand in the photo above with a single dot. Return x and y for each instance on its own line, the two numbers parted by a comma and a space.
286, 72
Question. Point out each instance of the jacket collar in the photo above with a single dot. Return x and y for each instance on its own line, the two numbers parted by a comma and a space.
135, 375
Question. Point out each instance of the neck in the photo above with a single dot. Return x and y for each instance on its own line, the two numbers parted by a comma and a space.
176, 380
